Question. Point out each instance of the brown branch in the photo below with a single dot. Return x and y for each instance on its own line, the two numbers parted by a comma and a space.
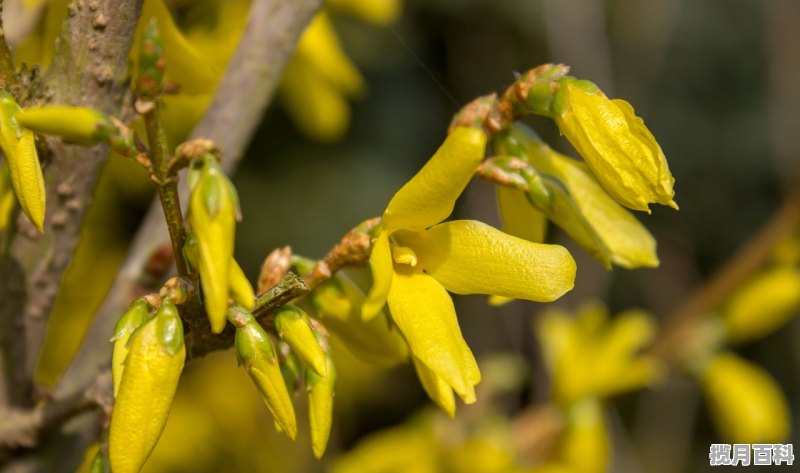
746, 261
23, 428
89, 69
8, 72
269, 39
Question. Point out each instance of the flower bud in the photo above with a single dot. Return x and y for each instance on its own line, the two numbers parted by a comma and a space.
213, 209
136, 315
256, 353
23, 163
152, 370
615, 143
151, 62
763, 304
294, 327
320, 406
746, 404
291, 367
79, 125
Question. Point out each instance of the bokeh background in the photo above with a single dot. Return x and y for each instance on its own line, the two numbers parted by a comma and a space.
715, 81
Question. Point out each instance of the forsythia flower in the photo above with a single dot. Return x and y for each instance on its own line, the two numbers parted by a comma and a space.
763, 304
626, 242
19, 149
416, 260
746, 404
617, 146
294, 328
135, 316
318, 81
586, 446
592, 356
152, 369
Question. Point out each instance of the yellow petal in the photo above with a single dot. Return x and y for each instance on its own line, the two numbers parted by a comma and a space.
316, 106
763, 304
429, 197
616, 145
294, 328
380, 261
519, 217
439, 391
320, 48
240, 287
629, 243
338, 303
746, 403
456, 252
320, 407
424, 312
135, 316
586, 446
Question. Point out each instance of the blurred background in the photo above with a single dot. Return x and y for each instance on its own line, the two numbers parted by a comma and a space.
714, 80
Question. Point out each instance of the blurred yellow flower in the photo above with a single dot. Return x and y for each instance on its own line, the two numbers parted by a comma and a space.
592, 356
766, 302
586, 445
416, 260
747, 406
318, 81
616, 144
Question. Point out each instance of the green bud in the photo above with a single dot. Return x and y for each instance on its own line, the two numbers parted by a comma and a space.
79, 125
256, 353
320, 406
294, 327
543, 85
135, 316
169, 327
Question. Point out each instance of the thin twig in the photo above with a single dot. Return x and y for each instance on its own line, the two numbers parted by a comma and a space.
166, 185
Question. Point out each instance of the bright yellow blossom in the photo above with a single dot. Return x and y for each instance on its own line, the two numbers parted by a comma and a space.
746, 403
416, 260
592, 356
616, 144
622, 239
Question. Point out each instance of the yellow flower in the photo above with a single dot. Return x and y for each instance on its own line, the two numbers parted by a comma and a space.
416, 260
320, 406
746, 404
586, 446
379, 12
318, 81
617, 146
763, 304
135, 316
294, 327
592, 356
622, 239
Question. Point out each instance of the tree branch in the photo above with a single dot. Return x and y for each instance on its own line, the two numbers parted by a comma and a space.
267, 44
89, 69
